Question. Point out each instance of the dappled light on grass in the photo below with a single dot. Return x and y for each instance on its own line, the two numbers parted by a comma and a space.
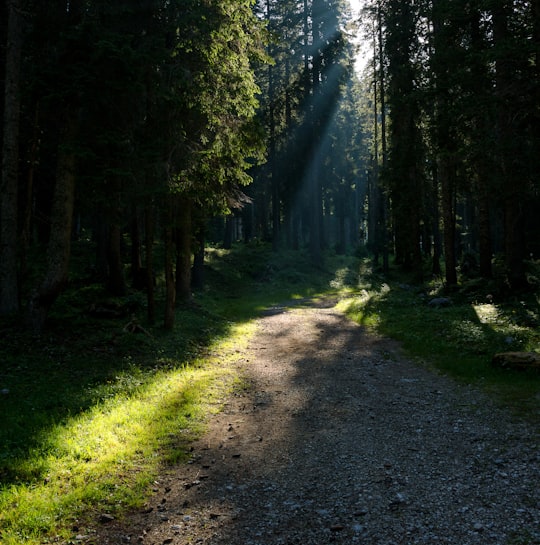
355, 308
92, 416
344, 278
107, 456
516, 336
459, 339
486, 313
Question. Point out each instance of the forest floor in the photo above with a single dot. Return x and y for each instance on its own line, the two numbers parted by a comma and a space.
338, 438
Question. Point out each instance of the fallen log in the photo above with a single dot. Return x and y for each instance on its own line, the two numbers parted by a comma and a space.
521, 361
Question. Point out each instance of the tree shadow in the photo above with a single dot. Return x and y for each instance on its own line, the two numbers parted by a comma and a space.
318, 460
80, 362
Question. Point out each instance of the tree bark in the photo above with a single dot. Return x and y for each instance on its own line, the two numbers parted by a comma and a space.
197, 278
444, 141
9, 288
449, 220
149, 246
183, 250
384, 151
484, 228
482, 89
136, 247
512, 176
116, 283
229, 229
28, 205
59, 245
170, 285
276, 202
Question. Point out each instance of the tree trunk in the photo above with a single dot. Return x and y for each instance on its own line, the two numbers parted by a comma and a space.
484, 227
514, 241
9, 288
435, 220
512, 176
274, 180
183, 250
375, 193
101, 240
136, 247
229, 229
449, 222
404, 172
59, 245
384, 151
116, 284
445, 144
170, 285
482, 88
149, 246
28, 205
314, 217
197, 277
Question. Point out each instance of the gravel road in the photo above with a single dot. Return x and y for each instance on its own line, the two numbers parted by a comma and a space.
339, 439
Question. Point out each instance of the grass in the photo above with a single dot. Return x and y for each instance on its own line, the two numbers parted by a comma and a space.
91, 414
460, 339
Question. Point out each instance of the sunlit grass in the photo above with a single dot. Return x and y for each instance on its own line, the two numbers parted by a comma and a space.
459, 340
94, 414
106, 457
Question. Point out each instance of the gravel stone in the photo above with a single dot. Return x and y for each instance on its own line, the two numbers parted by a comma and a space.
342, 440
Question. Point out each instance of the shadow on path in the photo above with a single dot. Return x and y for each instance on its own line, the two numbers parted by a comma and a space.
339, 439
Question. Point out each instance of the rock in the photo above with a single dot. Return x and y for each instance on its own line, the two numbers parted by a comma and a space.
440, 302
105, 517
516, 360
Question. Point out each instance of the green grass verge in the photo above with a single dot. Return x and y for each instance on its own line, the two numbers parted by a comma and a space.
91, 413
460, 339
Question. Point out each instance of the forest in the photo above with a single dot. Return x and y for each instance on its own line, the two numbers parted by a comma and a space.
174, 171
148, 128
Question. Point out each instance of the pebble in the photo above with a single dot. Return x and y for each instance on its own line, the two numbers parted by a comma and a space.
366, 448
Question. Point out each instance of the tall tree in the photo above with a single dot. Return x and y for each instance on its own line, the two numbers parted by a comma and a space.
405, 154
510, 70
444, 63
9, 287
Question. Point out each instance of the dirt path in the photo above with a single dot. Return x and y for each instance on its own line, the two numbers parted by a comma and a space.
342, 440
